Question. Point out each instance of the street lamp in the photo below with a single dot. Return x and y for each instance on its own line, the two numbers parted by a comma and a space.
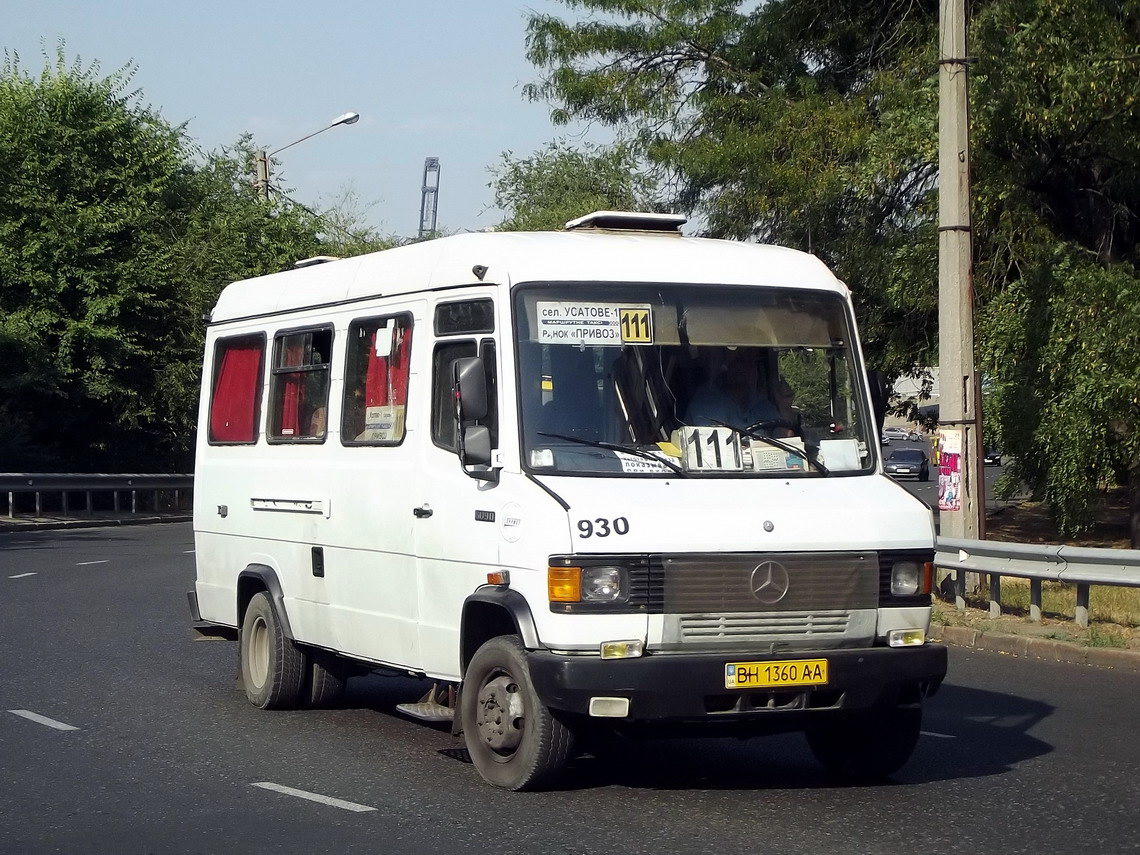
262, 182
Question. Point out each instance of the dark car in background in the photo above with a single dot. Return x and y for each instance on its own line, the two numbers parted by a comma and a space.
908, 463
992, 456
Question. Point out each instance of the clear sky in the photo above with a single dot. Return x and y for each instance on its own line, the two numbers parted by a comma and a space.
428, 77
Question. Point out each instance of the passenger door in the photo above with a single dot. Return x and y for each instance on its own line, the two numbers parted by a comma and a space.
370, 567
456, 535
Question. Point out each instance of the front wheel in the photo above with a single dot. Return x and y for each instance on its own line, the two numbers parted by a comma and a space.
869, 745
514, 740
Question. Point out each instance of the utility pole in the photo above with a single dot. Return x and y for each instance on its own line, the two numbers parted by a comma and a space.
959, 403
261, 182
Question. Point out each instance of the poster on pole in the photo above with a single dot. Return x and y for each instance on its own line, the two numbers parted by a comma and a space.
950, 469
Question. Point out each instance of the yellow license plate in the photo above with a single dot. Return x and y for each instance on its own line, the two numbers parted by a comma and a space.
762, 675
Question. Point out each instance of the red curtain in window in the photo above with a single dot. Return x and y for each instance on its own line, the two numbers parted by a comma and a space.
292, 393
376, 382
387, 379
398, 371
234, 403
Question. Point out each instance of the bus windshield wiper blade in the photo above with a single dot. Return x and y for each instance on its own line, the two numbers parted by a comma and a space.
798, 452
613, 446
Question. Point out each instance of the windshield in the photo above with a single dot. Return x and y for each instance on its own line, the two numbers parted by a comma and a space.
703, 380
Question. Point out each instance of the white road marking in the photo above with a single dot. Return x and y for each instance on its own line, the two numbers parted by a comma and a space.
44, 720
188, 552
937, 735
84, 563
313, 797
21, 575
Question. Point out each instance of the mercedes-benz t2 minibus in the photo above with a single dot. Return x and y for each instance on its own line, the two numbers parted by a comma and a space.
607, 479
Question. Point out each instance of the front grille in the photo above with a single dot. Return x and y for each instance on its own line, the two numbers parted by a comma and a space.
763, 626
776, 582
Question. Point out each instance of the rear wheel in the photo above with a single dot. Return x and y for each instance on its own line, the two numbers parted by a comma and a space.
272, 667
514, 740
869, 745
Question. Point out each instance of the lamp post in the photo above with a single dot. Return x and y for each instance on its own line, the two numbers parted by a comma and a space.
261, 183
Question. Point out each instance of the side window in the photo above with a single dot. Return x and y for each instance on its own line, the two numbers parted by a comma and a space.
376, 381
465, 316
442, 399
236, 396
299, 388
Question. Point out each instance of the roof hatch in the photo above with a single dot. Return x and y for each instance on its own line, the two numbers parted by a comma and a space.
629, 221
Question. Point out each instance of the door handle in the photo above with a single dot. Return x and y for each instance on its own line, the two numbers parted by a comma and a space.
422, 512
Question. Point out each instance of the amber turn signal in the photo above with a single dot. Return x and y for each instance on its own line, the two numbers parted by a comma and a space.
564, 584
927, 577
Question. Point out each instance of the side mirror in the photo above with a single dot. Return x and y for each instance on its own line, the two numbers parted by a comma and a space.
879, 393
470, 383
476, 446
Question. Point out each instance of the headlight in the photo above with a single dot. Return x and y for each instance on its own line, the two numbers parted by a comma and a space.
600, 584
604, 585
905, 578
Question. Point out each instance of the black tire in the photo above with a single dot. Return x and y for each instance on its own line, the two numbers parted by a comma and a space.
867, 746
326, 679
272, 667
514, 740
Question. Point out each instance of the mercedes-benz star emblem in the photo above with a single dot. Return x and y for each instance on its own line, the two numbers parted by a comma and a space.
769, 582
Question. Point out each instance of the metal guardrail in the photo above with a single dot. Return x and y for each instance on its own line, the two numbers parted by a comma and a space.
1037, 563
67, 484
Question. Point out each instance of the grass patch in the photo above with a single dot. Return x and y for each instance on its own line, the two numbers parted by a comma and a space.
1103, 636
1108, 603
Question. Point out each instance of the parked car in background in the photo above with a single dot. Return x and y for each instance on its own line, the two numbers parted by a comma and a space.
908, 463
902, 433
992, 456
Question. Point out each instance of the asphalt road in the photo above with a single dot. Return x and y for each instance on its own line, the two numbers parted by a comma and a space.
167, 755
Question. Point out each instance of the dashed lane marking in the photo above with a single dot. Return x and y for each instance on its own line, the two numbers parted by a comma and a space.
85, 563
42, 719
21, 575
313, 797
188, 552
937, 735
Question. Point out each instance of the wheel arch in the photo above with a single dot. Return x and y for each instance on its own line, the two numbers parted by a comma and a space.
254, 579
492, 611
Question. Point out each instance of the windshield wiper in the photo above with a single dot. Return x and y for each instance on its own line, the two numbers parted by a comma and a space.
613, 446
799, 452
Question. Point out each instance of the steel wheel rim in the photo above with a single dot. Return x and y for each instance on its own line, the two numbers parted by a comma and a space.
500, 718
259, 652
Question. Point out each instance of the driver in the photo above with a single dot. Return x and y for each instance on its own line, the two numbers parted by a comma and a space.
738, 395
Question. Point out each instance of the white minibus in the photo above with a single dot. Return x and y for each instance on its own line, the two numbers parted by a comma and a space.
606, 480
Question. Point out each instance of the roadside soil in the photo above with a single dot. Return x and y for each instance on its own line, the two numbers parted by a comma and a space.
1030, 522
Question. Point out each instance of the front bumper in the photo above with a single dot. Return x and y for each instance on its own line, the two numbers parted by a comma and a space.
690, 687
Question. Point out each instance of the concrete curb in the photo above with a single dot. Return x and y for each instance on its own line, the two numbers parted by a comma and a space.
46, 525
1037, 648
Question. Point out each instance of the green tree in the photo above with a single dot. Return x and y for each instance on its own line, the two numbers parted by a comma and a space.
1057, 210
116, 236
560, 183
811, 123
